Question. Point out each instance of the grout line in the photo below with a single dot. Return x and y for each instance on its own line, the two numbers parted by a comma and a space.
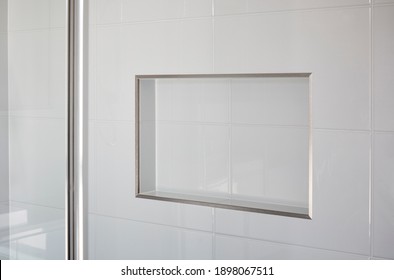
295, 10
372, 125
33, 204
230, 142
289, 244
150, 223
213, 233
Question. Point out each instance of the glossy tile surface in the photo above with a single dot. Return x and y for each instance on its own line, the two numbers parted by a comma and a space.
37, 74
136, 240
114, 143
383, 66
223, 7
271, 163
37, 168
341, 178
330, 39
4, 160
298, 43
228, 247
26, 14
36, 232
383, 195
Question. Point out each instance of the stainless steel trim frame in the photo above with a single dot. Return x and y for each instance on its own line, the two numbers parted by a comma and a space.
305, 213
77, 130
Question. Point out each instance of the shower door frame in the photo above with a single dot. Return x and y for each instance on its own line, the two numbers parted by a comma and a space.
77, 98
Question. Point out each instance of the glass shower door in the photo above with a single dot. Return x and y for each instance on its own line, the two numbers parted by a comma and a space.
33, 130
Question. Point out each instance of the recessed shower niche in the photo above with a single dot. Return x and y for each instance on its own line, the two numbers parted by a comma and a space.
239, 141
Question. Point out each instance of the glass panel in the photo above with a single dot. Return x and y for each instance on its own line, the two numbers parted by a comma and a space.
230, 141
32, 129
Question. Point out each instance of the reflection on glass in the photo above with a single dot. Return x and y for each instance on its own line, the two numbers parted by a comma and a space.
232, 141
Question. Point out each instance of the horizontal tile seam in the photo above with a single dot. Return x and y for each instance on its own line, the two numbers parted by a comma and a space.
287, 244
35, 204
346, 7
10, 116
125, 23
150, 223
98, 121
376, 5
11, 31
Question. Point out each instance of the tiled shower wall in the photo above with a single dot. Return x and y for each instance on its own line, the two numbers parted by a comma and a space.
347, 46
3, 103
4, 192
36, 93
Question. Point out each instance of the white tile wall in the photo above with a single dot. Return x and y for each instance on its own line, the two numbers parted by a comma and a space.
223, 7
114, 142
37, 74
3, 74
229, 247
36, 89
135, 240
27, 14
383, 195
3, 16
270, 101
340, 219
383, 1
4, 182
109, 11
36, 232
37, 160
271, 163
302, 36
298, 43
144, 10
383, 66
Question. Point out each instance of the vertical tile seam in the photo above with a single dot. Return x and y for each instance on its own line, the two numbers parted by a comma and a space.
372, 126
213, 253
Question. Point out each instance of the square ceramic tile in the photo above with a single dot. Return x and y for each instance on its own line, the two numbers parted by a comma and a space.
340, 200
383, 195
228, 247
58, 13
149, 241
193, 100
37, 75
271, 101
227, 7
27, 14
271, 164
3, 16
197, 157
4, 150
109, 11
92, 75
197, 8
29, 71
383, 65
3, 74
298, 43
37, 160
38, 232
113, 102
145, 10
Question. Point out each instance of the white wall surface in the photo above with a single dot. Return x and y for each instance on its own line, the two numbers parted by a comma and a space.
351, 91
4, 182
37, 128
